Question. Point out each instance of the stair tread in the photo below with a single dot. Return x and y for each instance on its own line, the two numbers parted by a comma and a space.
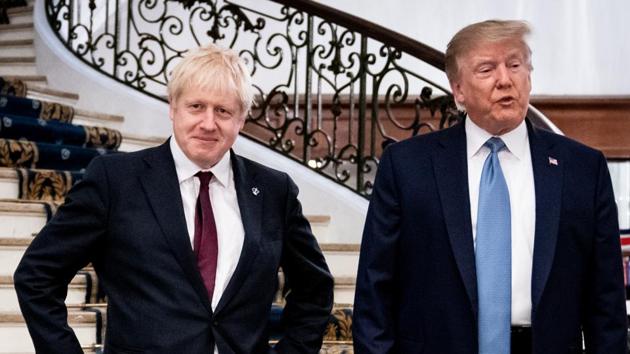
15, 42
20, 10
8, 173
26, 77
152, 139
337, 247
74, 317
49, 91
21, 206
100, 116
345, 281
15, 241
16, 26
320, 219
76, 282
17, 60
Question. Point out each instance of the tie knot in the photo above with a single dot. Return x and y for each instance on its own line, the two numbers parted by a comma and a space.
204, 177
495, 144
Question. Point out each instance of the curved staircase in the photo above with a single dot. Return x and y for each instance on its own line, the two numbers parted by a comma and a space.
45, 143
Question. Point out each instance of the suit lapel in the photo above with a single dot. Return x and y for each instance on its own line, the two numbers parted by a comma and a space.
161, 187
451, 174
250, 201
548, 188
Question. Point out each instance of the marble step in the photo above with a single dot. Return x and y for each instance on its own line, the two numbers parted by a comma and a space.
86, 117
22, 14
344, 290
11, 251
14, 336
342, 258
19, 218
17, 31
45, 93
9, 184
9, 302
319, 226
133, 142
17, 48
17, 66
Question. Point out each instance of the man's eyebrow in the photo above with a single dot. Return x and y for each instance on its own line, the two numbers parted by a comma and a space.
482, 62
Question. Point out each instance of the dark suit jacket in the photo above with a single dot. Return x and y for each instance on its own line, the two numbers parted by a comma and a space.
126, 218
416, 286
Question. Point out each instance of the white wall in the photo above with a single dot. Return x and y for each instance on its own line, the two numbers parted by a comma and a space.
581, 47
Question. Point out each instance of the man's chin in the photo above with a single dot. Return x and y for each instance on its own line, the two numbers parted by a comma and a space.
206, 159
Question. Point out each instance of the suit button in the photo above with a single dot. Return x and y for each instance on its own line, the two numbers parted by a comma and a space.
215, 323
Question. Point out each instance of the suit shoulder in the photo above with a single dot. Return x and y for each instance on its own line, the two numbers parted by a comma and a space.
423, 144
126, 161
258, 168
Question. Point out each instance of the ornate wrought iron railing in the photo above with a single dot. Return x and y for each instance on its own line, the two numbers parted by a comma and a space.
333, 89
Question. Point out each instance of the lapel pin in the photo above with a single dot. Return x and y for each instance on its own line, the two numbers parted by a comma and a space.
553, 161
255, 191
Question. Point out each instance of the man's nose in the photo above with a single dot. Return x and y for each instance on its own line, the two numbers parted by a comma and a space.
208, 121
503, 77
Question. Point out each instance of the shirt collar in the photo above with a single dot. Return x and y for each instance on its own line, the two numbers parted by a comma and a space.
516, 140
186, 169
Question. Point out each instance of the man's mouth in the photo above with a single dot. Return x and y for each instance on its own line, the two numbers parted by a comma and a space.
505, 101
206, 138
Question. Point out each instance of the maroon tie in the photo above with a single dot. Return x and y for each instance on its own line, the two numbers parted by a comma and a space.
206, 245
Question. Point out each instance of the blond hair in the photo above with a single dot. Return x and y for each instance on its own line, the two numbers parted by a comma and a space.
490, 31
212, 68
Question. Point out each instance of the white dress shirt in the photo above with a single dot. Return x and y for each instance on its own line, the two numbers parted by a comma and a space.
516, 164
227, 215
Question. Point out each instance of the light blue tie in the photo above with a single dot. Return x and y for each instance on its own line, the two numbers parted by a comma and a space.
493, 255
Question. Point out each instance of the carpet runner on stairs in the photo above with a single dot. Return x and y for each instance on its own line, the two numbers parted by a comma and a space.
45, 185
12, 87
39, 134
27, 107
53, 132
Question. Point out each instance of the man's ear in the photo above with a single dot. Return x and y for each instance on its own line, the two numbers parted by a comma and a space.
171, 108
458, 95
242, 123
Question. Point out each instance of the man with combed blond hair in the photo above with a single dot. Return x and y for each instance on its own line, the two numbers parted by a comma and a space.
493, 236
186, 238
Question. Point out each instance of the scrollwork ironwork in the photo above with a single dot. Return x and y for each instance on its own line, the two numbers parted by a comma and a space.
328, 96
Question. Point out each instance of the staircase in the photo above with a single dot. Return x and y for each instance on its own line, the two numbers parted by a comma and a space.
34, 117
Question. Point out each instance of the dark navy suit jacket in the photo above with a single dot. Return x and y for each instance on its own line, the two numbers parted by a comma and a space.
126, 218
417, 287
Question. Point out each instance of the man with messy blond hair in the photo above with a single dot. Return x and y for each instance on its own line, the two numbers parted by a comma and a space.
186, 238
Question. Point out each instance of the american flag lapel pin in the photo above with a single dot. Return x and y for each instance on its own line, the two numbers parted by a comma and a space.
553, 161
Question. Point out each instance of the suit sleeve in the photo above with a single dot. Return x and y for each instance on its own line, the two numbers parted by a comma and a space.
605, 327
373, 305
63, 246
310, 299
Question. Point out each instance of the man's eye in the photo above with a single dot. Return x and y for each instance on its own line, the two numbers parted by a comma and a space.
195, 106
224, 112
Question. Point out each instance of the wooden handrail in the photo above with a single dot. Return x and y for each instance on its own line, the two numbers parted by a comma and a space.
406, 44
